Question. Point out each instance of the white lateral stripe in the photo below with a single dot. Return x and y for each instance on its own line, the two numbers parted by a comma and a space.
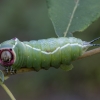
56, 48
43, 51
50, 52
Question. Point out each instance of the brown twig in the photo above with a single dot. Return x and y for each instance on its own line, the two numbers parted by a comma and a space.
90, 53
86, 54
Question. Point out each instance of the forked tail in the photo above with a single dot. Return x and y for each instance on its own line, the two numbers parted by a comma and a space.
94, 41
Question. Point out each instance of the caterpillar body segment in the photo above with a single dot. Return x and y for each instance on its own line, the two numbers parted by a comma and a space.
42, 54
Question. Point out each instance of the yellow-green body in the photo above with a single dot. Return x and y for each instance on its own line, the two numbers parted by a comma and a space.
45, 53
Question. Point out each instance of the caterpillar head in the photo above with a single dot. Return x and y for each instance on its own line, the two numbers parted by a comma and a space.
7, 54
6, 57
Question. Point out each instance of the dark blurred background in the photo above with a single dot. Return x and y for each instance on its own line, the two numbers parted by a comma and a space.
28, 20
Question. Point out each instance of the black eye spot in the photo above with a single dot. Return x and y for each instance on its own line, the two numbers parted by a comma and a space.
10, 49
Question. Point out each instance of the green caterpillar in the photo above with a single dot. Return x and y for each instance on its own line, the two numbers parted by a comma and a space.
42, 54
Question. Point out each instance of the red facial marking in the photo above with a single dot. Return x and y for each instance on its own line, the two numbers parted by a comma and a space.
6, 57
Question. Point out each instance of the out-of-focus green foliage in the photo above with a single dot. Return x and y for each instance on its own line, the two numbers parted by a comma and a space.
27, 20
19, 17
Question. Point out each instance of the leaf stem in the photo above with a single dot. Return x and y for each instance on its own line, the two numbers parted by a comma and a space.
7, 91
71, 18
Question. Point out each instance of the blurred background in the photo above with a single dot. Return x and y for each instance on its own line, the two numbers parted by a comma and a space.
28, 20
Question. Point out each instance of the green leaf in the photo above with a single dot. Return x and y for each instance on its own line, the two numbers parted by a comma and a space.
69, 16
1, 76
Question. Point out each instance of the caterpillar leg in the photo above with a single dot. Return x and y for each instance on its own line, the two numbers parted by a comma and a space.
10, 70
66, 67
7, 70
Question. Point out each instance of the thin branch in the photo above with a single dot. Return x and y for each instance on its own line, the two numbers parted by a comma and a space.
90, 53
86, 54
8, 91
71, 18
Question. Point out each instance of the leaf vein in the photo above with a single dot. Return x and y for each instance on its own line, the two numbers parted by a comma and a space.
71, 18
